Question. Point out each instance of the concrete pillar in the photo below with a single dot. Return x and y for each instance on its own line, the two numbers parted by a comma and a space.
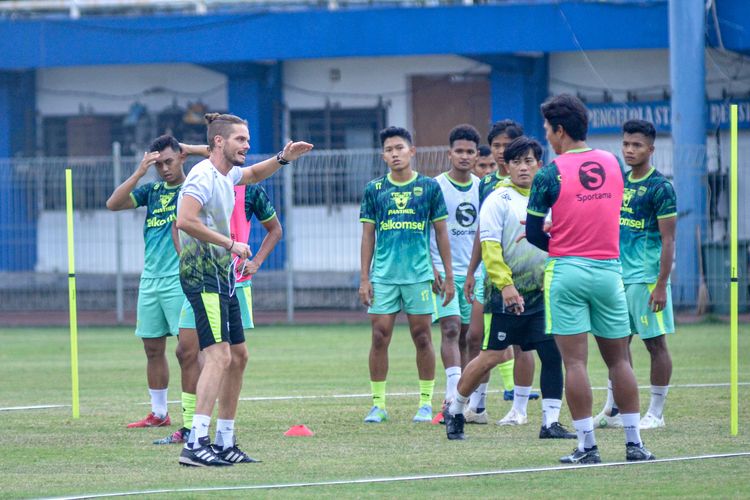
518, 85
687, 77
18, 217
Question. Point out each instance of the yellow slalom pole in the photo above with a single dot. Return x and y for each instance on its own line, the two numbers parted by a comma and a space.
733, 283
72, 292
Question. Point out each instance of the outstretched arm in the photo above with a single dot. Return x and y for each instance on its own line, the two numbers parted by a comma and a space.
265, 169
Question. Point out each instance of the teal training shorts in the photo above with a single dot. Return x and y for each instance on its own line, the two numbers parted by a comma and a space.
244, 292
159, 304
644, 321
585, 295
459, 306
416, 298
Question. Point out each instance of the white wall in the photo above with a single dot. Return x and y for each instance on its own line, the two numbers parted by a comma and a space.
323, 241
63, 91
368, 78
644, 71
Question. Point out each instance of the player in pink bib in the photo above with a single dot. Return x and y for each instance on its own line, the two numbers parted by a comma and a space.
583, 288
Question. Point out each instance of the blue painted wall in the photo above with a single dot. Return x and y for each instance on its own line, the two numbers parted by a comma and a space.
475, 30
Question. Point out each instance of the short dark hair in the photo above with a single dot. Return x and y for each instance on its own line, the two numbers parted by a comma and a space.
510, 128
640, 127
483, 151
220, 124
464, 132
567, 111
389, 132
520, 146
163, 142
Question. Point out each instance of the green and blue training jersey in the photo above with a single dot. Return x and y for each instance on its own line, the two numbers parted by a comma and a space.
644, 203
161, 259
402, 214
489, 183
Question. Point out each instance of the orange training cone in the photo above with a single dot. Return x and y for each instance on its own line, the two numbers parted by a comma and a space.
299, 430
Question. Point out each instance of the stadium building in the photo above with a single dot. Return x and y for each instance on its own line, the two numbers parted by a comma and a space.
75, 80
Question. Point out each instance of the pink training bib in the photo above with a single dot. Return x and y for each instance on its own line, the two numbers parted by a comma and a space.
586, 215
239, 226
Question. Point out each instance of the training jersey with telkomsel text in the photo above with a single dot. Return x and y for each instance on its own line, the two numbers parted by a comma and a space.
402, 214
249, 200
583, 188
489, 183
500, 221
645, 201
160, 256
205, 267
462, 203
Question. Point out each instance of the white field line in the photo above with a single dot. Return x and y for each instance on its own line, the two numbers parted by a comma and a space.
363, 395
405, 478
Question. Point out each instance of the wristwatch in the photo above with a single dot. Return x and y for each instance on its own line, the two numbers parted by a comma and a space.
281, 159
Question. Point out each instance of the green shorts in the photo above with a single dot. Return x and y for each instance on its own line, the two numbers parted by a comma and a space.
644, 321
159, 304
459, 306
585, 295
417, 298
244, 292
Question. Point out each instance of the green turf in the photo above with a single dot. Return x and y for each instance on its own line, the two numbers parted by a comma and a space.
47, 453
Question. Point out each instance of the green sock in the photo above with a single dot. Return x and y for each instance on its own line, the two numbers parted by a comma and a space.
426, 388
506, 373
378, 394
188, 409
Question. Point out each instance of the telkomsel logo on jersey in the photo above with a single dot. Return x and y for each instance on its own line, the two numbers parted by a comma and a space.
466, 214
401, 199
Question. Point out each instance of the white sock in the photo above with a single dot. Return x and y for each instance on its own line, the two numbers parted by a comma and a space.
550, 411
521, 399
585, 431
200, 427
479, 397
158, 402
224, 433
658, 398
452, 376
458, 405
631, 424
610, 404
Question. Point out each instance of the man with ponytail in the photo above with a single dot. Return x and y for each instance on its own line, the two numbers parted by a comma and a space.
206, 274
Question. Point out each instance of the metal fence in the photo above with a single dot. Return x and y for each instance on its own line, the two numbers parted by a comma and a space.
314, 267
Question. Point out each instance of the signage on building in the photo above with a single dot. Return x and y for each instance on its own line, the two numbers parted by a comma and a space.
607, 118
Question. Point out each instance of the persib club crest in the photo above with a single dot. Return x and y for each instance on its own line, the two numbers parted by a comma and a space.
165, 200
401, 199
627, 196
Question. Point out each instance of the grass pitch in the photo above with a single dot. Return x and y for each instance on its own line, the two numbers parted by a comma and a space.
47, 453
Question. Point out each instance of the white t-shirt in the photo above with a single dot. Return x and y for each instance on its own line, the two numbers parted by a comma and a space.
204, 267
462, 202
500, 221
